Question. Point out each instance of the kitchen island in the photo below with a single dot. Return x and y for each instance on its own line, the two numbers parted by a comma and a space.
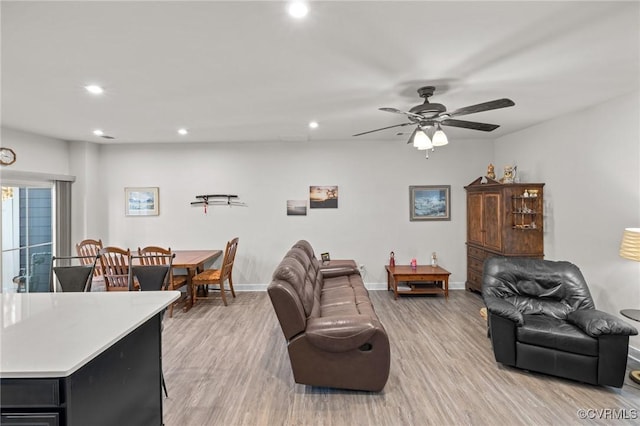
82, 358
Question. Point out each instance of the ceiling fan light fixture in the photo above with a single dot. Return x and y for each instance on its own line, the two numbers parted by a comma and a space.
421, 141
439, 138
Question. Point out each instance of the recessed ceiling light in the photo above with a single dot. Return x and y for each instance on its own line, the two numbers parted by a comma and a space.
95, 89
313, 124
183, 131
98, 132
298, 9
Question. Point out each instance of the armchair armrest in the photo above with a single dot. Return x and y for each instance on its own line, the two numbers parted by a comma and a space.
503, 309
341, 334
597, 323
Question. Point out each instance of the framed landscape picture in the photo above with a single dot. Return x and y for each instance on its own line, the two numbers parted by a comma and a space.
141, 201
323, 197
296, 207
430, 202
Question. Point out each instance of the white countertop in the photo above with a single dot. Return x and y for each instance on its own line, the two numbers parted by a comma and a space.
54, 334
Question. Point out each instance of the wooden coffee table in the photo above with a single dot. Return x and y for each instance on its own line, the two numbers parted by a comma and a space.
420, 280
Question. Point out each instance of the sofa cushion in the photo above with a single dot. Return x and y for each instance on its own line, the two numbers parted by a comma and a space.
292, 271
554, 333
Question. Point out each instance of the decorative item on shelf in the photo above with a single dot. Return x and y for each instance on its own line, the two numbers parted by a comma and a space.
630, 249
392, 259
533, 193
508, 175
414, 263
491, 174
217, 200
434, 260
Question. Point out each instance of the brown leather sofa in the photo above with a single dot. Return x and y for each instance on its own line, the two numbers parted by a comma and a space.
333, 334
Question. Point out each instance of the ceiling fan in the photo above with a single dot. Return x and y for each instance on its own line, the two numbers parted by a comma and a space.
427, 115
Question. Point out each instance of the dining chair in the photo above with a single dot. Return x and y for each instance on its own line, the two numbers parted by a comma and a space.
70, 277
115, 265
217, 276
151, 277
154, 255
87, 248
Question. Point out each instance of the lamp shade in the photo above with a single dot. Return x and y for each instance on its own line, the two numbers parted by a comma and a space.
439, 138
421, 140
630, 245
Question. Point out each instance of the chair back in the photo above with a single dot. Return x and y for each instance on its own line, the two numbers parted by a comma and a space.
229, 258
70, 277
87, 249
154, 255
115, 265
150, 276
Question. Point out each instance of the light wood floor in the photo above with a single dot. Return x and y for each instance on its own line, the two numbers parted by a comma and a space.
229, 366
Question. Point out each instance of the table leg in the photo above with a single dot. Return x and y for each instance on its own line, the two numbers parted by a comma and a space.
395, 286
188, 304
446, 287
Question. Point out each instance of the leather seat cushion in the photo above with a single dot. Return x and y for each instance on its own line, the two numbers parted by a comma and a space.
554, 333
345, 296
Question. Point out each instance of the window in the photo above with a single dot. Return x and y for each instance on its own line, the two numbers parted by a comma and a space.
27, 237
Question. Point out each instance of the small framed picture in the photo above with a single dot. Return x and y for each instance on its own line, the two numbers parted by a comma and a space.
323, 197
142, 201
325, 257
430, 202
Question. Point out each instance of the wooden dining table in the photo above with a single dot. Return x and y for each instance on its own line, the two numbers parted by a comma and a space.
193, 261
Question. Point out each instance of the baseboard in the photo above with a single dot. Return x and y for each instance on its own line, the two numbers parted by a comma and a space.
369, 286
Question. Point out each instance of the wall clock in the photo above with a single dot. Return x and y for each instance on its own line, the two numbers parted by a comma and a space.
7, 156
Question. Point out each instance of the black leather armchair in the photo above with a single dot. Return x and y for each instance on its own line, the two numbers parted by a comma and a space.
542, 318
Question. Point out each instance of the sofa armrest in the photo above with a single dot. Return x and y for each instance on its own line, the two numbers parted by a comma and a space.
503, 309
341, 334
597, 323
338, 271
338, 268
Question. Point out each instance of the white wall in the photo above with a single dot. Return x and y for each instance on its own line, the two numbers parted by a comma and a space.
590, 162
89, 214
372, 218
35, 153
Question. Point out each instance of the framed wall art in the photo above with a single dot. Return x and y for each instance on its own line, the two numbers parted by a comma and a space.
142, 201
296, 207
429, 202
323, 197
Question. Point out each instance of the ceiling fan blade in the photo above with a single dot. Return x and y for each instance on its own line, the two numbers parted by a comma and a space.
407, 113
486, 106
382, 128
469, 125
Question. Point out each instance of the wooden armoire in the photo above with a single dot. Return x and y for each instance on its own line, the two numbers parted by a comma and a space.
502, 220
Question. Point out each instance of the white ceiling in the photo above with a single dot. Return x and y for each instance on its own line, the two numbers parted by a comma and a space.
246, 71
